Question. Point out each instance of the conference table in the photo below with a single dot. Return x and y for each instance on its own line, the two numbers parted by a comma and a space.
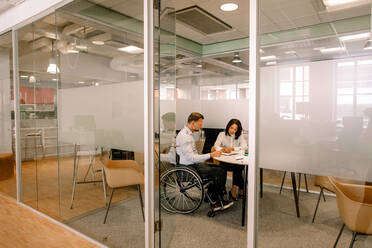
235, 158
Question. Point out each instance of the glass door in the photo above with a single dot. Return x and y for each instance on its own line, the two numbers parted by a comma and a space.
165, 106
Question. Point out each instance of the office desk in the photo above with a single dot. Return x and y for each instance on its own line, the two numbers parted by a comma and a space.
234, 159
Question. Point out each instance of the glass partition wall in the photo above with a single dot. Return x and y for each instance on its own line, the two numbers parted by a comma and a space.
314, 131
7, 148
81, 108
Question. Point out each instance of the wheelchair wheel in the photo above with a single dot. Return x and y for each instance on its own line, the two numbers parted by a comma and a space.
181, 190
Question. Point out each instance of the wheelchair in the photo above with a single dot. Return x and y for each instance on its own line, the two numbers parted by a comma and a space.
183, 190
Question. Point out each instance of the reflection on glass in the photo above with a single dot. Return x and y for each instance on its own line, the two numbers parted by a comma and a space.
7, 141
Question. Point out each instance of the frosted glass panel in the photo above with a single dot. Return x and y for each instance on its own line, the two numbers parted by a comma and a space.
313, 140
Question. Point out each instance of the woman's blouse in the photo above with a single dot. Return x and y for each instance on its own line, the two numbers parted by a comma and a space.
226, 141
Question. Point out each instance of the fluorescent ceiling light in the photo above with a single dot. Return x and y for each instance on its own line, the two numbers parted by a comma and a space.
365, 62
98, 42
82, 47
131, 49
229, 7
199, 66
332, 50
54, 79
81, 82
345, 64
24, 76
290, 52
332, 3
271, 63
318, 48
72, 51
169, 87
265, 58
353, 37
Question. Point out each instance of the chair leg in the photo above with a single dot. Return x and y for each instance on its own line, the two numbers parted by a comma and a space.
324, 197
339, 235
89, 169
307, 188
317, 204
353, 239
281, 186
299, 185
104, 185
141, 201
108, 207
74, 178
91, 160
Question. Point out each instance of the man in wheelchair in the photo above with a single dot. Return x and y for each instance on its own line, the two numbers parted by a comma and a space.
189, 157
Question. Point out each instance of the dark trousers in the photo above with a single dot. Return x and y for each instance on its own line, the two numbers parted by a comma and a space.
237, 171
218, 174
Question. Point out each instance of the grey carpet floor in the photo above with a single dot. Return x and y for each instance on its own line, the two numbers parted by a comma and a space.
278, 225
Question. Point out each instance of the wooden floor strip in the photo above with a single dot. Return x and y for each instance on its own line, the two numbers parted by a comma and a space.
21, 227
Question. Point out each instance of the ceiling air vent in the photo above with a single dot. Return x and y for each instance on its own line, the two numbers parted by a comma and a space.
201, 20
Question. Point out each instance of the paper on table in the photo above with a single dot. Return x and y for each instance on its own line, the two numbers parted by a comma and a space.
229, 154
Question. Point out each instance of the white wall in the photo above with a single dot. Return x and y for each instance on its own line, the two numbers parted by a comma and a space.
5, 107
112, 114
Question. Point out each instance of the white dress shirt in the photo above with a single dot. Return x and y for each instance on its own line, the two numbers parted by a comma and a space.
186, 148
226, 141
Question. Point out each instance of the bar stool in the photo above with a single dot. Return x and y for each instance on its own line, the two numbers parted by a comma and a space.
91, 154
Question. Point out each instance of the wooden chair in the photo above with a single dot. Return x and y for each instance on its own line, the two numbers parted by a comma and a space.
354, 202
120, 174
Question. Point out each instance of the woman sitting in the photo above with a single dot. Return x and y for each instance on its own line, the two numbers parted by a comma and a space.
228, 141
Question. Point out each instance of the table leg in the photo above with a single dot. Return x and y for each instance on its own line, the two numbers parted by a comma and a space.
293, 176
261, 182
244, 195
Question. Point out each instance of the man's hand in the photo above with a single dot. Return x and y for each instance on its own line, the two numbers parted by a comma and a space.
216, 154
228, 150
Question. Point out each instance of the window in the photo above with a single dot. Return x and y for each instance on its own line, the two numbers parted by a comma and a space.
218, 92
294, 92
354, 88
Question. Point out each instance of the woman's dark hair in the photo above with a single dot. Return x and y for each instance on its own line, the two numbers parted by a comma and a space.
232, 122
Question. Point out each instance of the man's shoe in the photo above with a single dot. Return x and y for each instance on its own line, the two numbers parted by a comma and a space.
227, 204
217, 206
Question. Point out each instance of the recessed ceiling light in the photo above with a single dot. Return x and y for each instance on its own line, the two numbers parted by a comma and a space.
271, 63
353, 37
332, 50
24, 76
98, 42
131, 49
81, 82
265, 58
96, 84
199, 66
54, 79
262, 51
229, 7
